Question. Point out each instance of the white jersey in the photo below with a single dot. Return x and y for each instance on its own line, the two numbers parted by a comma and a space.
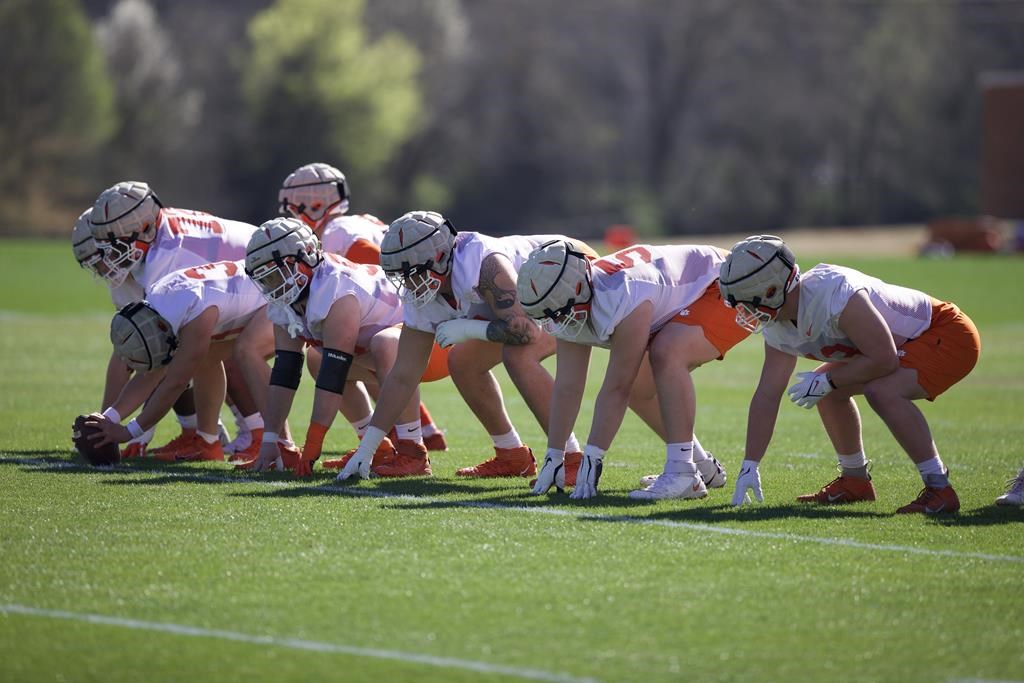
191, 238
128, 292
183, 295
342, 232
670, 277
471, 248
380, 306
825, 290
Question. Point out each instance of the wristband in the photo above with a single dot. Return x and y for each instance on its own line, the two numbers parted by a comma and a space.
135, 429
269, 437
112, 415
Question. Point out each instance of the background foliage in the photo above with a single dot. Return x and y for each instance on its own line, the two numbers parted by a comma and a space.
525, 116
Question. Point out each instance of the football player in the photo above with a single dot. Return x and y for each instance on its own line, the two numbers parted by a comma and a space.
460, 289
348, 310
142, 241
658, 310
318, 195
190, 321
892, 344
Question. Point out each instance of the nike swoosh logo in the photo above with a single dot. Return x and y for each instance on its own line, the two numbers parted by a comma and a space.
930, 510
696, 486
836, 497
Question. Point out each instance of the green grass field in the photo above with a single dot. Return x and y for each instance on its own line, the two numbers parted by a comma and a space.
195, 572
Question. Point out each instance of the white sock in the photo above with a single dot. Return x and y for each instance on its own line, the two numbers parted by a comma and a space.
853, 461
188, 421
361, 425
208, 438
934, 473
572, 445
699, 454
251, 422
410, 431
679, 458
428, 430
510, 440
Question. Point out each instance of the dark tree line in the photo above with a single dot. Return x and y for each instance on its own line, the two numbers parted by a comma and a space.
671, 115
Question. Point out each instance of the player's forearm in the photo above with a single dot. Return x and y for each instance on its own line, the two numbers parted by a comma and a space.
609, 411
161, 401
517, 331
395, 394
862, 369
764, 411
117, 377
565, 408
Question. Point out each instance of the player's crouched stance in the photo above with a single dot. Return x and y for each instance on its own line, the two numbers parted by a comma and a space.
892, 344
191, 322
645, 302
351, 311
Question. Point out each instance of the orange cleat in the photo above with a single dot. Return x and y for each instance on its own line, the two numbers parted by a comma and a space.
384, 454
507, 462
435, 442
181, 442
133, 450
250, 452
410, 460
290, 455
932, 501
199, 450
841, 490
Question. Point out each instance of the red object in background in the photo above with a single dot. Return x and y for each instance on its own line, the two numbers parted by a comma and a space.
1002, 157
619, 237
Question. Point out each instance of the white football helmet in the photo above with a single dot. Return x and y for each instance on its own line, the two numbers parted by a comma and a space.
280, 259
142, 337
124, 220
87, 253
554, 286
755, 279
313, 191
416, 255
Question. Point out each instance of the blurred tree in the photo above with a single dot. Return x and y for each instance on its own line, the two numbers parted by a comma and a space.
317, 90
56, 108
159, 109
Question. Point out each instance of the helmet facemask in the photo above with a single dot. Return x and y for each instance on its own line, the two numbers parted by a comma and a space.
554, 286
312, 193
755, 279
280, 259
429, 239
87, 253
125, 237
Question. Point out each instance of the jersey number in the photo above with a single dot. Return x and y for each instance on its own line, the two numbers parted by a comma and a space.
192, 223
203, 272
621, 259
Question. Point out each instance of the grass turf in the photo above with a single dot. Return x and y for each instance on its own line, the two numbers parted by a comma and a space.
453, 580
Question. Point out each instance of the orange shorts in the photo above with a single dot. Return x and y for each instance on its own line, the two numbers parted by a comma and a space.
945, 352
437, 366
717, 320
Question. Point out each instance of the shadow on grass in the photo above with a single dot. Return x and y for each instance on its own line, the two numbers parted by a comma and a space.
990, 515
386, 488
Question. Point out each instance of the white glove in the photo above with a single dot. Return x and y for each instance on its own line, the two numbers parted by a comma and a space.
812, 387
552, 473
359, 464
749, 479
145, 437
589, 473
451, 332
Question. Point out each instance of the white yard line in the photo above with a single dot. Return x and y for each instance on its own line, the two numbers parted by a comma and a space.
299, 644
557, 512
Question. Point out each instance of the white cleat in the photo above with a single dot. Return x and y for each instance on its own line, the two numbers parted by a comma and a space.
1014, 491
711, 471
672, 486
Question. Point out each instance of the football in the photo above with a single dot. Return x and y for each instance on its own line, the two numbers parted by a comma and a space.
108, 454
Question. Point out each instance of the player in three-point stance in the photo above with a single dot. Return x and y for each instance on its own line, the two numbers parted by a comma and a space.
892, 344
349, 311
658, 310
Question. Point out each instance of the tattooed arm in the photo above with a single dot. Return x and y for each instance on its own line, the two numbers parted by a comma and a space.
497, 286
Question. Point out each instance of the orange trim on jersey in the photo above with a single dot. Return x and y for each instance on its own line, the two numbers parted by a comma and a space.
944, 353
437, 366
717, 320
364, 251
